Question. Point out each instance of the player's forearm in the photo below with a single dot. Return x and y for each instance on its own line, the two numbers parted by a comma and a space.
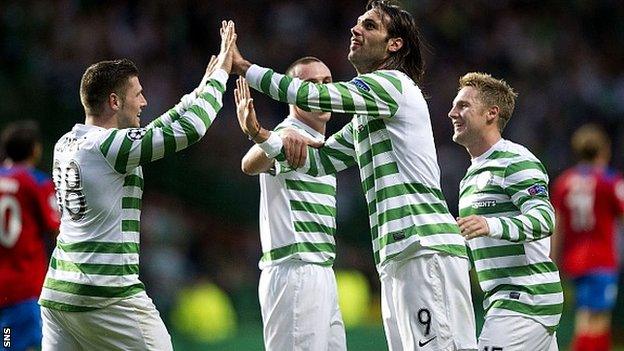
534, 224
340, 97
256, 161
211, 90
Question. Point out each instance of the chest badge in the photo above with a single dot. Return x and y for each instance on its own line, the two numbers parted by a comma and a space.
484, 179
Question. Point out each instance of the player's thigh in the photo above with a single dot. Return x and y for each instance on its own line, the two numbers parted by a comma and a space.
388, 312
433, 302
129, 324
515, 333
57, 334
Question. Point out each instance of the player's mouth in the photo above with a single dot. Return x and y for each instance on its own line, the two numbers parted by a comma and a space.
459, 127
355, 44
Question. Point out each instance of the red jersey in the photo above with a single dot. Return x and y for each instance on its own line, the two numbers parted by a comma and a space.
588, 200
27, 210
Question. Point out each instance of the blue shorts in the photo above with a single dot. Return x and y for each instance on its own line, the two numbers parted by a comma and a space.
596, 291
24, 321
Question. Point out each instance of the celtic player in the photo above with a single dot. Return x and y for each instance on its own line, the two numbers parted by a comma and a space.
297, 289
92, 298
420, 256
507, 218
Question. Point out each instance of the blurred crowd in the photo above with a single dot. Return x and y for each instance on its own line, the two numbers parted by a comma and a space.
564, 58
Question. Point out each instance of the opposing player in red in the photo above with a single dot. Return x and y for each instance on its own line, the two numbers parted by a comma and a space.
588, 199
28, 211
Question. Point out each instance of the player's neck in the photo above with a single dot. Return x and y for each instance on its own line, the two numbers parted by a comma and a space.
105, 122
483, 144
313, 122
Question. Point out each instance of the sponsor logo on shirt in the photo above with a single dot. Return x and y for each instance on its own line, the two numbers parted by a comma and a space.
398, 235
360, 84
514, 295
537, 189
484, 204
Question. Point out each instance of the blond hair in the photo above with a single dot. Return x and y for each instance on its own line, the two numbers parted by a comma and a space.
493, 92
589, 142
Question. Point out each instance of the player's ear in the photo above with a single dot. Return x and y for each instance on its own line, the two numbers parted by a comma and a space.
492, 114
395, 44
114, 102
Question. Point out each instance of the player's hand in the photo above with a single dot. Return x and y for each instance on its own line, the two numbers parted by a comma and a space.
212, 65
239, 64
228, 42
296, 146
245, 110
473, 226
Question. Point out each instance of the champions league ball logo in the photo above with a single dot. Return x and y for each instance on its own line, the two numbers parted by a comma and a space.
135, 134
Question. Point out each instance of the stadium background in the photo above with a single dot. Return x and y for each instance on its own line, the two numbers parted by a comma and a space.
200, 242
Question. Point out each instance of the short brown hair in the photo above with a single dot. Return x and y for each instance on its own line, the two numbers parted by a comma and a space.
301, 61
493, 92
103, 78
589, 142
18, 140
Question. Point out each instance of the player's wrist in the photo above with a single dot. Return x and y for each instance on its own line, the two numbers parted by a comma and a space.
260, 136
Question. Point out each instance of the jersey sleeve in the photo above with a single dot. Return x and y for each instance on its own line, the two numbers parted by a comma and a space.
376, 94
181, 126
337, 154
526, 183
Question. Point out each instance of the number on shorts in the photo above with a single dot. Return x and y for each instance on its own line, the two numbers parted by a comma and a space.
424, 317
10, 220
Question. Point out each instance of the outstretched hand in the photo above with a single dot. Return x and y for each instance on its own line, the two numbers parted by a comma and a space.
228, 44
296, 146
212, 65
245, 110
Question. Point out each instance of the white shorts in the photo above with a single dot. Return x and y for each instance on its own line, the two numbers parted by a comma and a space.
426, 304
129, 324
515, 333
299, 304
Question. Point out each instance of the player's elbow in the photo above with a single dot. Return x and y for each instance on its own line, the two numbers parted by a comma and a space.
247, 167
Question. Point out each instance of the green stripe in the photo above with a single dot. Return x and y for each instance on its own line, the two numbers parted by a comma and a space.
100, 247
324, 97
520, 227
313, 169
531, 310
302, 96
451, 249
420, 230
216, 106
192, 136
376, 149
217, 85
524, 185
130, 225
309, 207
94, 268
519, 271
326, 163
169, 140
265, 82
93, 290
311, 187
379, 90
131, 203
146, 147
536, 289
121, 162
497, 251
292, 249
523, 166
411, 210
202, 114
501, 154
506, 233
394, 81
105, 146
369, 128
405, 189
283, 88
378, 172
64, 306
348, 105
348, 160
313, 227
133, 180
339, 137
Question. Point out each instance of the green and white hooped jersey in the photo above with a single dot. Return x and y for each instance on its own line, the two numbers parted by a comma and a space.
297, 213
99, 186
391, 140
509, 186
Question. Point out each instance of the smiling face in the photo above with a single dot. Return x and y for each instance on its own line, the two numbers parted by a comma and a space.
470, 117
131, 105
369, 42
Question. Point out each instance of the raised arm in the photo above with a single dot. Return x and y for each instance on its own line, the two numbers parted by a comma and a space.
182, 126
